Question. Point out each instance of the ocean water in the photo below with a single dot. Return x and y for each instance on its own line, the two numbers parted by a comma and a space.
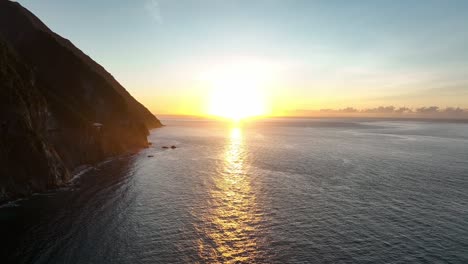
273, 191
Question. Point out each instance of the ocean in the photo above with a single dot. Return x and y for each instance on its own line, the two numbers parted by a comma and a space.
266, 191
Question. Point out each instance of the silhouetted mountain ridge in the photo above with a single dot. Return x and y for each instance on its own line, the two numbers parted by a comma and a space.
59, 108
28, 26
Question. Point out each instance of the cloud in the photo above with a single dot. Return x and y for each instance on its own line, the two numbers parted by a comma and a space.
454, 110
428, 110
380, 110
154, 9
403, 110
391, 111
344, 110
348, 110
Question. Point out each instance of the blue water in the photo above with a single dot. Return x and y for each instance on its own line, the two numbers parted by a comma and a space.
276, 191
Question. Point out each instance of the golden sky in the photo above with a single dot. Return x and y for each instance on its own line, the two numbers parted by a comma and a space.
175, 56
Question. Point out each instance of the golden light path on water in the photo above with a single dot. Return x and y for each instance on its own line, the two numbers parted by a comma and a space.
230, 223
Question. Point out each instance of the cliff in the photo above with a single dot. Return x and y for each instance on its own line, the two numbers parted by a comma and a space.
58, 108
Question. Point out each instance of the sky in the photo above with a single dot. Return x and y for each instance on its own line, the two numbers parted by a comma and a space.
302, 55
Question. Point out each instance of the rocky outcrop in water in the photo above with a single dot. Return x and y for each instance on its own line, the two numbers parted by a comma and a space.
58, 108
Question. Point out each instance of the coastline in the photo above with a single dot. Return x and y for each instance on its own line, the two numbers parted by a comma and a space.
75, 176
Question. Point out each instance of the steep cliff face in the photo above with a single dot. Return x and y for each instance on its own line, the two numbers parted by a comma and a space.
59, 108
28, 162
53, 55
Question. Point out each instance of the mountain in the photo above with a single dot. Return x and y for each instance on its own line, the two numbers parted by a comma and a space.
59, 109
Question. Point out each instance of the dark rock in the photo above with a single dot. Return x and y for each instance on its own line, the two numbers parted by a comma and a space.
58, 108
173, 147
28, 160
165, 147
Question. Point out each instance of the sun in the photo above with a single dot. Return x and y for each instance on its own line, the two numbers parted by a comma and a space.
237, 93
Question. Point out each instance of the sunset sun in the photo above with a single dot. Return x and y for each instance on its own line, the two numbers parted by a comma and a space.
237, 94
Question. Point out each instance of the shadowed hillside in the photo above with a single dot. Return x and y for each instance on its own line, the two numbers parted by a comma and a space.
58, 108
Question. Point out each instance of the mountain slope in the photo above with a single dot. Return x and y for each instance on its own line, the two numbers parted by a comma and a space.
28, 162
58, 108
25, 32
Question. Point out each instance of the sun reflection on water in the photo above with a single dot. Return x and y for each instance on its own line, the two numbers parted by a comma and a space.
230, 224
